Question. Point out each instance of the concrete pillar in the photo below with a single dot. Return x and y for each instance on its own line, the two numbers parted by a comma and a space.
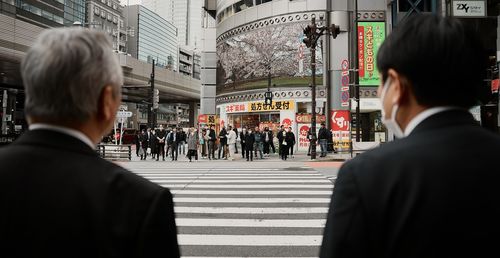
193, 113
208, 67
338, 51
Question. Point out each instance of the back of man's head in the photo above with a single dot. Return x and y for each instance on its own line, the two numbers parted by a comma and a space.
65, 72
443, 60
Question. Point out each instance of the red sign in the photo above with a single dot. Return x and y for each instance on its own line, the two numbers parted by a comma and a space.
303, 130
234, 108
286, 122
306, 118
202, 119
361, 50
494, 85
340, 120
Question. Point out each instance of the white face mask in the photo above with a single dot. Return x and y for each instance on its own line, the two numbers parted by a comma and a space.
390, 123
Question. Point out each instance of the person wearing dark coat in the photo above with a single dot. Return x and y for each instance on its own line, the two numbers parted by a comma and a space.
161, 136
242, 141
281, 136
138, 137
288, 144
212, 137
223, 143
153, 144
173, 140
432, 192
249, 142
58, 197
144, 145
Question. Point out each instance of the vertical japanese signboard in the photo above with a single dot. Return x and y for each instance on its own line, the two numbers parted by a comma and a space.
370, 37
341, 124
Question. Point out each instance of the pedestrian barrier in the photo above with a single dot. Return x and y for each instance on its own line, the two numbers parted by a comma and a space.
114, 152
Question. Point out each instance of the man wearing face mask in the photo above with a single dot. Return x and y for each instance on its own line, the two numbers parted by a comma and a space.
434, 191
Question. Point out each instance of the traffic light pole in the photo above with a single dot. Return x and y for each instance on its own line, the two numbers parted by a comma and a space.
313, 95
312, 33
151, 109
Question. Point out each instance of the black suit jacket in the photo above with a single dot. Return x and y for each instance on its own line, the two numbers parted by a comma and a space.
434, 193
59, 199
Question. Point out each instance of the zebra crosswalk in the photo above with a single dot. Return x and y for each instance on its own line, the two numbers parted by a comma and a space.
232, 211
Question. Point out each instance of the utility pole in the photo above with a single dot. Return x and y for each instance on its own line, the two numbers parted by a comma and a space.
312, 34
152, 107
356, 72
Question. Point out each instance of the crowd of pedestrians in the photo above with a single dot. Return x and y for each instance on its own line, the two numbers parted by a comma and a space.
227, 143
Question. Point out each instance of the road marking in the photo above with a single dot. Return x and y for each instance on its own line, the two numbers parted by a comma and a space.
267, 186
202, 180
241, 192
252, 210
249, 240
277, 223
168, 177
252, 200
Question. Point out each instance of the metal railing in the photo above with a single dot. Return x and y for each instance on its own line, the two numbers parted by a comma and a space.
114, 152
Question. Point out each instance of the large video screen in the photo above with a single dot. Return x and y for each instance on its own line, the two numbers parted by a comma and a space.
247, 61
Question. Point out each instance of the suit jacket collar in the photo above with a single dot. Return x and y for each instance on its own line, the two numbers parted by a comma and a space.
54, 139
444, 119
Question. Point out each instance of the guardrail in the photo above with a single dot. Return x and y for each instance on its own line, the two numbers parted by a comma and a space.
114, 152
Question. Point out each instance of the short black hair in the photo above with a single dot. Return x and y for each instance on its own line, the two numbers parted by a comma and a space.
443, 59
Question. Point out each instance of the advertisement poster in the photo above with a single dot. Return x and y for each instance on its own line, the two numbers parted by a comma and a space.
303, 142
246, 60
370, 37
341, 124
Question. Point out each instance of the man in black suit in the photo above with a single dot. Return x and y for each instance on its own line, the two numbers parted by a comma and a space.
161, 136
211, 142
434, 191
58, 197
173, 140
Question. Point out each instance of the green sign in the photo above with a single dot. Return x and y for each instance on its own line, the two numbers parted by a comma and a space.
370, 37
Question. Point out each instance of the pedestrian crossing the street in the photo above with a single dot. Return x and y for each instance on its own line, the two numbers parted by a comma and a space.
235, 211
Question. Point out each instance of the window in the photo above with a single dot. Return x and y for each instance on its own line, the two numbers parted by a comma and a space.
114, 6
103, 14
411, 6
96, 10
110, 18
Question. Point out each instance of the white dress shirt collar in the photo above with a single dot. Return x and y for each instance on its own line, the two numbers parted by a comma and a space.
424, 115
65, 130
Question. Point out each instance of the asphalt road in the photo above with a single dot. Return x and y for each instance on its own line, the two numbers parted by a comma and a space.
264, 208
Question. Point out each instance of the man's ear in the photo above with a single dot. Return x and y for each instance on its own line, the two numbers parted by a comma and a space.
108, 104
399, 87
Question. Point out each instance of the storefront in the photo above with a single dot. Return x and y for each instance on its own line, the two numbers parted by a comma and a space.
256, 114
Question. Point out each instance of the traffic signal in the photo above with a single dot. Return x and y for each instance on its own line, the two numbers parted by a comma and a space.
307, 36
156, 98
268, 101
334, 30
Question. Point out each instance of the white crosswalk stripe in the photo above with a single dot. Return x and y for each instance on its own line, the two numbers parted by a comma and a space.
245, 212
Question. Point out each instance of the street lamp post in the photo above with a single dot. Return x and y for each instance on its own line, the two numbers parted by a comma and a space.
312, 34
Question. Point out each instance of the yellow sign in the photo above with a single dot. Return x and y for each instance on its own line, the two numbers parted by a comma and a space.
276, 106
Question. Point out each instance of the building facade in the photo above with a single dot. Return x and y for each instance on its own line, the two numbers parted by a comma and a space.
154, 37
189, 63
20, 24
259, 48
184, 14
107, 15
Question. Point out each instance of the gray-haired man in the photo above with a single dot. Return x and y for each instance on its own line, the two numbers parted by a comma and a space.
58, 197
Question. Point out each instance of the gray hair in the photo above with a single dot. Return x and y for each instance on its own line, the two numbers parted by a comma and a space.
65, 72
